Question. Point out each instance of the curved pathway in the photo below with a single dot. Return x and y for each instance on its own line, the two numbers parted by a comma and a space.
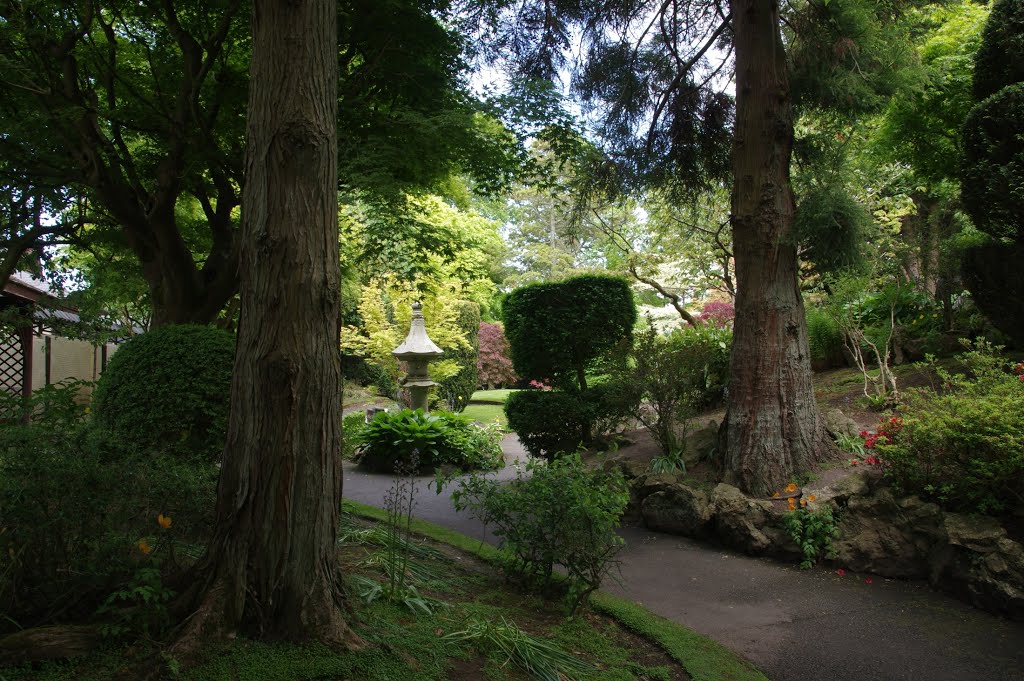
795, 625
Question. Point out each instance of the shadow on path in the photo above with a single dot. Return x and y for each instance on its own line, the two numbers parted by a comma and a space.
795, 625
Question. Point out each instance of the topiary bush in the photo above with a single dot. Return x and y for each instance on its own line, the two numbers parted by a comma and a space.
168, 390
440, 439
559, 514
549, 423
557, 331
962, 445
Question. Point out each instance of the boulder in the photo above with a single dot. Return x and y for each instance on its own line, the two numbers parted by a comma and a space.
839, 423
701, 443
739, 520
857, 483
888, 536
982, 564
678, 509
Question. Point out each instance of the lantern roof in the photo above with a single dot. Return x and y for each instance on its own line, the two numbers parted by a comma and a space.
417, 344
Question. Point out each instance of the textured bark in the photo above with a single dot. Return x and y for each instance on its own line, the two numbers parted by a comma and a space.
270, 570
773, 426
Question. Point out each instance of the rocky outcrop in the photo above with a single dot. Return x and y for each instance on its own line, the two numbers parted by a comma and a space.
839, 423
678, 509
979, 562
888, 536
879, 533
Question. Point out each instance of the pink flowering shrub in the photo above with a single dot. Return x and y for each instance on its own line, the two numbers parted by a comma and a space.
717, 314
493, 364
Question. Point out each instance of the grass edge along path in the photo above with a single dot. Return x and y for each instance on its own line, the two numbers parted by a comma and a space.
702, 658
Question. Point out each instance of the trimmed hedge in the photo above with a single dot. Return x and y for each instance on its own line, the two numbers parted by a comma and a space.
168, 391
556, 331
549, 423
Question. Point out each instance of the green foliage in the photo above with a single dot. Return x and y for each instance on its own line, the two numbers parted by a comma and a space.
830, 224
439, 438
557, 331
1000, 60
703, 351
74, 504
556, 514
457, 389
813, 531
993, 164
352, 429
168, 391
139, 608
660, 383
549, 423
962, 443
824, 336
539, 658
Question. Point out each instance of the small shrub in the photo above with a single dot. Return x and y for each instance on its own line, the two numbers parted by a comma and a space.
962, 444
548, 422
717, 314
352, 429
704, 351
168, 391
438, 439
557, 514
75, 503
825, 338
813, 531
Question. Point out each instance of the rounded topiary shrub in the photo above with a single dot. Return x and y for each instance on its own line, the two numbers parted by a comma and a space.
549, 423
168, 390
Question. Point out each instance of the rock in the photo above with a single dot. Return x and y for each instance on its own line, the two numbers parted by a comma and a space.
857, 484
49, 643
981, 564
650, 483
739, 520
839, 423
631, 469
678, 509
888, 537
701, 443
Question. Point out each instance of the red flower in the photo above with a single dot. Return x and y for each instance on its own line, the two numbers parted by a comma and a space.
864, 433
841, 572
867, 580
854, 462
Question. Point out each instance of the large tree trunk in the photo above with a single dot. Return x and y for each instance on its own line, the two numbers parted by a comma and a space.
270, 569
773, 426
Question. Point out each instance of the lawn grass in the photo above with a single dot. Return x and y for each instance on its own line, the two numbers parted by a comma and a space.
495, 396
487, 413
488, 406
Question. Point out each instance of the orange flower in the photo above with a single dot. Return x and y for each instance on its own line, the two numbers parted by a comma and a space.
803, 502
791, 487
812, 498
163, 521
792, 503
775, 496
144, 547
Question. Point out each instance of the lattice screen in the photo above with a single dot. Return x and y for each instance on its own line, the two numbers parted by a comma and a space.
12, 361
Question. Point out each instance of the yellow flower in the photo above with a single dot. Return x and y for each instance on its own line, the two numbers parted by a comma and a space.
163, 521
144, 547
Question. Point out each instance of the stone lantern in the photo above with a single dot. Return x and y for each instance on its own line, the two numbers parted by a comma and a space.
417, 350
